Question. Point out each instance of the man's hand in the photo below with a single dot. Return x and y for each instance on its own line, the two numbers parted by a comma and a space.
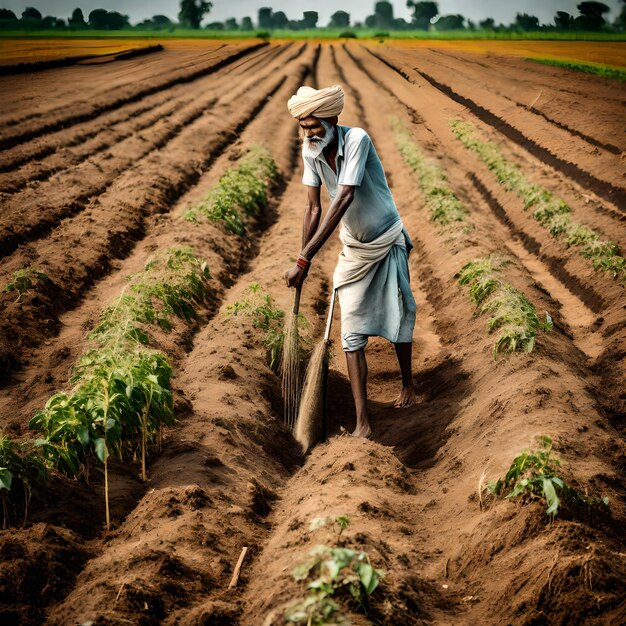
295, 276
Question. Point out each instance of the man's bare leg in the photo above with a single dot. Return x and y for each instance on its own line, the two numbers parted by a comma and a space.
407, 395
357, 372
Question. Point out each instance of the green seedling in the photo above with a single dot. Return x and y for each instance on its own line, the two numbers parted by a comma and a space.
512, 314
241, 191
19, 465
551, 212
259, 307
445, 208
534, 474
172, 284
329, 571
25, 280
121, 396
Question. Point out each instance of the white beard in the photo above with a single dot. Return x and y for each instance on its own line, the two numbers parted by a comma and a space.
312, 148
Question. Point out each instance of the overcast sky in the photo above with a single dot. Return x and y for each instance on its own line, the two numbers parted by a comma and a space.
137, 10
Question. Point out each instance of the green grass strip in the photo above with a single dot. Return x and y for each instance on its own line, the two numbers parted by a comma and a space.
549, 210
606, 71
241, 191
512, 314
311, 33
445, 208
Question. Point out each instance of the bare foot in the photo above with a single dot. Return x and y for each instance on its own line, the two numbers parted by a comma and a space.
362, 431
406, 398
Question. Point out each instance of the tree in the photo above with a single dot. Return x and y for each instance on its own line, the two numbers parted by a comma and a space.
78, 19
246, 24
98, 19
383, 12
339, 19
6, 14
487, 24
192, 12
450, 22
309, 19
526, 22
231, 24
370, 21
423, 12
279, 20
563, 20
30, 13
162, 21
265, 17
101, 19
620, 21
590, 17
116, 21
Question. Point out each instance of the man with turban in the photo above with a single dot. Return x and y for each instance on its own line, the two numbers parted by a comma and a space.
372, 274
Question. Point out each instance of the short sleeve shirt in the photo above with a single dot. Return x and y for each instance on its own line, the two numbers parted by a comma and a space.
373, 209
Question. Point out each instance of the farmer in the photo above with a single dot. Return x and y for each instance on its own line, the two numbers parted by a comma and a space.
372, 275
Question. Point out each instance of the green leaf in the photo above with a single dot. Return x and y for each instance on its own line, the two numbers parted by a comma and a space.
368, 577
82, 434
101, 449
153, 379
519, 488
6, 478
551, 498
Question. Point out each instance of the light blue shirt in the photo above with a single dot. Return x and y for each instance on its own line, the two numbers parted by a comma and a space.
373, 210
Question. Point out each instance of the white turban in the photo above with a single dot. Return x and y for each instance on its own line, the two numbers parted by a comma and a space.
318, 102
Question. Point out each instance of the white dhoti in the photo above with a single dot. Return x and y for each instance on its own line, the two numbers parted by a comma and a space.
372, 282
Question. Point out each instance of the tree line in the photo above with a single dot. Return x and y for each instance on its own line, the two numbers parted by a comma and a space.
425, 17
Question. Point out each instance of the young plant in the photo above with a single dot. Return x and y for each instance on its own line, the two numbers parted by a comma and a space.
171, 284
259, 307
551, 212
534, 474
25, 280
445, 208
512, 314
122, 392
242, 189
19, 464
329, 571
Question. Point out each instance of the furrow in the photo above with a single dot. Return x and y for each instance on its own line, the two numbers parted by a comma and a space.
486, 78
90, 111
37, 210
602, 188
226, 489
117, 219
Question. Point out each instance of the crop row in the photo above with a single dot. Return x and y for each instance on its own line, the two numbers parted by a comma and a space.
121, 394
241, 189
549, 210
512, 314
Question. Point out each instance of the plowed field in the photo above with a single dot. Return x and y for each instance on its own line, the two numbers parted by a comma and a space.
99, 165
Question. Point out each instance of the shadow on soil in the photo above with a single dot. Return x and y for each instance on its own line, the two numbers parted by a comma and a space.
416, 433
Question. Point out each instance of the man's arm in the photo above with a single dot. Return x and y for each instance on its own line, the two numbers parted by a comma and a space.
343, 199
312, 214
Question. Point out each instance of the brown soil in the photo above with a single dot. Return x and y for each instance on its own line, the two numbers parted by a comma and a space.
95, 180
